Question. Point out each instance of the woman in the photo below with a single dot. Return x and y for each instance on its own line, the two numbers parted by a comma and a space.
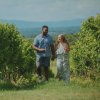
62, 52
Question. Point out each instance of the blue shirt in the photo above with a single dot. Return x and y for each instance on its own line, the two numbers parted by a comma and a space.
43, 42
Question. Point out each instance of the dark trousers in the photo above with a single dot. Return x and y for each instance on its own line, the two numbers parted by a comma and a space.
46, 72
45, 63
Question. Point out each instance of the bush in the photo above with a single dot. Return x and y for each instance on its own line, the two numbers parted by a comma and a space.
85, 53
17, 57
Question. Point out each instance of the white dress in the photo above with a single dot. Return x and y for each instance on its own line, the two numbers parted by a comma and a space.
63, 69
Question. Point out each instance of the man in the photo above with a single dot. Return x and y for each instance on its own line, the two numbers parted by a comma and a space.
43, 44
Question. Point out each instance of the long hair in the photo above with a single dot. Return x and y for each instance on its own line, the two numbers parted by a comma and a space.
64, 40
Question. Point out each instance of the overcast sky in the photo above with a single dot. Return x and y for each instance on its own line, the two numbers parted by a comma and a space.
48, 10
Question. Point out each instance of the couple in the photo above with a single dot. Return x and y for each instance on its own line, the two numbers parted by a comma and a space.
45, 50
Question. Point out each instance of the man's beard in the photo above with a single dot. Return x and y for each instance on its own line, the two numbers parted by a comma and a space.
45, 33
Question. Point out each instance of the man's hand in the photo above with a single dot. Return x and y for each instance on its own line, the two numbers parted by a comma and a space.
53, 52
53, 58
40, 49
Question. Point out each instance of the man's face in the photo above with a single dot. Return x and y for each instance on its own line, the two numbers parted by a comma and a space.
45, 31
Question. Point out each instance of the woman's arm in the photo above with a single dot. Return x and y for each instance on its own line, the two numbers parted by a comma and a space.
67, 47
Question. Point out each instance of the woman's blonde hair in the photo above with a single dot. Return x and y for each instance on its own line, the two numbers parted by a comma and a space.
64, 40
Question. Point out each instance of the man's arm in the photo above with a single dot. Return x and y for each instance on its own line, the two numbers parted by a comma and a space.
36, 44
37, 49
53, 52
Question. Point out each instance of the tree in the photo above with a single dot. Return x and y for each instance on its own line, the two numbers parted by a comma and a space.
16, 55
86, 51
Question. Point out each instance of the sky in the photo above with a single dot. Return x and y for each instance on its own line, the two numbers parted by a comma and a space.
48, 10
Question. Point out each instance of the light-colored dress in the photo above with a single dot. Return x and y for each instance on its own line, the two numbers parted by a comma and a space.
63, 69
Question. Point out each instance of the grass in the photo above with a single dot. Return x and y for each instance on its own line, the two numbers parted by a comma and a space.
77, 89
53, 90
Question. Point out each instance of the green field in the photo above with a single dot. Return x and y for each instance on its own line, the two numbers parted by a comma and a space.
77, 89
53, 91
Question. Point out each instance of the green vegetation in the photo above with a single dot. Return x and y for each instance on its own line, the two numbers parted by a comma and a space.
18, 79
77, 89
86, 51
17, 58
53, 90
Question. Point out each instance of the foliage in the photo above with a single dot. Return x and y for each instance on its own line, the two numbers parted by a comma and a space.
71, 38
16, 55
86, 51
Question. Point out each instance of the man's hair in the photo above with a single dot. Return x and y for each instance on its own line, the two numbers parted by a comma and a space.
44, 27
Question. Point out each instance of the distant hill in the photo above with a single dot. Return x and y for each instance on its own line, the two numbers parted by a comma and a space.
28, 28
52, 31
28, 24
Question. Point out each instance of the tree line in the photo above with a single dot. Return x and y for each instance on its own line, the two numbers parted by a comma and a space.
17, 58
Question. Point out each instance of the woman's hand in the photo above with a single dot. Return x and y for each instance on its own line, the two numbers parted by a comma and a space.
66, 49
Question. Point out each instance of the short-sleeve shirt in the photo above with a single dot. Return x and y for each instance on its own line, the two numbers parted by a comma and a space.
43, 42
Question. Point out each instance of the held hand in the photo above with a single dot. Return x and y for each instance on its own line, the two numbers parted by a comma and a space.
53, 58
